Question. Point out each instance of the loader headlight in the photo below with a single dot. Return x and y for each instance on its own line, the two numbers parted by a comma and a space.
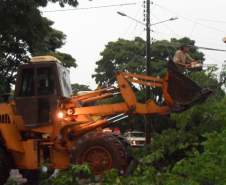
60, 115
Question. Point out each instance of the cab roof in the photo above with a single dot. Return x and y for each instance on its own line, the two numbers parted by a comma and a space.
46, 58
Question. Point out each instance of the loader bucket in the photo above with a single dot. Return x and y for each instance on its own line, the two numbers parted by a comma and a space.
184, 92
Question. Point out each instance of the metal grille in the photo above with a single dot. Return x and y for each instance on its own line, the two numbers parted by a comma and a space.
4, 118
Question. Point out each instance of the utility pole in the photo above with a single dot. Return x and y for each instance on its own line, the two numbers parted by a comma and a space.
147, 23
148, 70
148, 43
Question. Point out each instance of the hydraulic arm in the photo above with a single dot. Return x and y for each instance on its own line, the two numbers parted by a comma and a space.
178, 92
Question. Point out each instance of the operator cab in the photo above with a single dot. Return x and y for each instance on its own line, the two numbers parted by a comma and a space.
40, 84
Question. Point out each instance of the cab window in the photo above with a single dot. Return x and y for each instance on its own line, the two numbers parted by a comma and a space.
27, 86
45, 81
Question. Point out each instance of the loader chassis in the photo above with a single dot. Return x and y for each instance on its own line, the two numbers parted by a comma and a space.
45, 122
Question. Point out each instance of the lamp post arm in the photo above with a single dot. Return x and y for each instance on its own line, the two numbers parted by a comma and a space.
171, 19
125, 15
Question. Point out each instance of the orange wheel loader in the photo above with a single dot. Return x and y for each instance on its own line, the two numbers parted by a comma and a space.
45, 123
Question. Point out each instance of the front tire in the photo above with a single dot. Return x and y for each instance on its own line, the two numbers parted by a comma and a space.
102, 152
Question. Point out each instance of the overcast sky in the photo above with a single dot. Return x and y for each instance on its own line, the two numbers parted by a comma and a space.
89, 30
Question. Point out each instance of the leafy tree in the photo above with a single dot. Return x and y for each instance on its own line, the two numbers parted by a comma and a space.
129, 56
24, 32
66, 59
120, 55
79, 87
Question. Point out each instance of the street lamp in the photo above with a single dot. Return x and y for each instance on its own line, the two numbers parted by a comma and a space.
170, 19
125, 15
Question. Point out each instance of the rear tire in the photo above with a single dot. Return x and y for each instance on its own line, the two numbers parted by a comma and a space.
4, 166
102, 151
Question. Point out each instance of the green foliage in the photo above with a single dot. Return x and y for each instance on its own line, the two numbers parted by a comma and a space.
141, 176
207, 167
79, 87
3, 87
192, 153
61, 2
208, 79
122, 55
129, 56
76, 174
24, 32
66, 59
11, 181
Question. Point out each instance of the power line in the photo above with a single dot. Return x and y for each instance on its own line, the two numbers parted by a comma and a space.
166, 26
136, 17
193, 29
212, 49
88, 8
189, 19
212, 20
